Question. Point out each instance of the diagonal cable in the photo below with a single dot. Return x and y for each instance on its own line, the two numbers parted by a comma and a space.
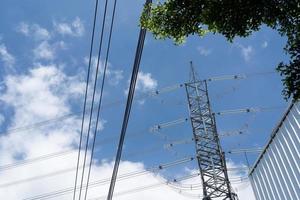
101, 92
93, 96
85, 96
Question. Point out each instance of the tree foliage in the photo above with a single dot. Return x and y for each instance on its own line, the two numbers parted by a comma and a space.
177, 19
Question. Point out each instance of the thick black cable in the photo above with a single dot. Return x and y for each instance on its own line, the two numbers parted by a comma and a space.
85, 96
101, 92
135, 71
93, 96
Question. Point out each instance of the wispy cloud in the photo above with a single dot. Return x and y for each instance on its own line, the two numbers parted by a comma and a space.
114, 75
246, 52
23, 28
33, 30
145, 82
2, 119
47, 51
74, 28
7, 58
264, 44
44, 51
204, 51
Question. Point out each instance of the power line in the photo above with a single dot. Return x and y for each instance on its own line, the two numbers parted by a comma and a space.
249, 150
108, 140
116, 102
102, 87
107, 180
143, 132
139, 189
86, 92
93, 97
146, 95
151, 150
151, 129
64, 171
248, 110
158, 127
239, 76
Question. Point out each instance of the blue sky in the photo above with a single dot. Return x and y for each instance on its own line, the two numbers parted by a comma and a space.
43, 51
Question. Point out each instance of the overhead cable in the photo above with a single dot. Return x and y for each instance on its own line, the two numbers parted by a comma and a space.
158, 127
107, 180
101, 92
86, 93
67, 170
248, 110
104, 141
110, 104
141, 96
249, 150
239, 76
139, 189
132, 154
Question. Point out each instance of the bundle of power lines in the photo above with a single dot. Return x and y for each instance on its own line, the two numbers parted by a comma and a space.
133, 80
79, 178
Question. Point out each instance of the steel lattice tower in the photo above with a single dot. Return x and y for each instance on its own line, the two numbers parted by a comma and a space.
211, 159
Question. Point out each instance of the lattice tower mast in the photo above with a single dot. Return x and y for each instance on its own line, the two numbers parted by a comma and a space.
210, 157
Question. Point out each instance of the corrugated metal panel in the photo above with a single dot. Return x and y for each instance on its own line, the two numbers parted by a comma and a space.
276, 173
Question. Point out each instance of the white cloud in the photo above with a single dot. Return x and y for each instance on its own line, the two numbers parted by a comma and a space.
33, 30
75, 28
7, 58
145, 82
114, 76
241, 186
41, 94
44, 51
23, 28
2, 119
246, 51
47, 51
45, 92
264, 44
204, 51
40, 33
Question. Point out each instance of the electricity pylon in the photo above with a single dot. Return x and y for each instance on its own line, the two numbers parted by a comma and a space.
210, 157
